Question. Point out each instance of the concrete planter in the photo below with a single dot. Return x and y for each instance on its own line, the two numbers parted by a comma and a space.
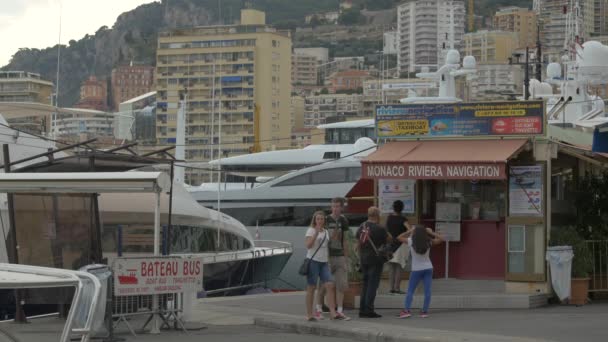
354, 290
579, 291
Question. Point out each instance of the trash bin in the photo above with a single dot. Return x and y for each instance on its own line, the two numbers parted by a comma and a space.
560, 263
103, 273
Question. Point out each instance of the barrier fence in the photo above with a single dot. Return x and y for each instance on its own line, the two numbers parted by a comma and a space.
599, 271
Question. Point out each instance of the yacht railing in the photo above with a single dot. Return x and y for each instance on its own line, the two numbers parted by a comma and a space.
261, 249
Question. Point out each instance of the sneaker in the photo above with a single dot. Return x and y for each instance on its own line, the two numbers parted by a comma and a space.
405, 314
344, 317
400, 292
318, 315
424, 314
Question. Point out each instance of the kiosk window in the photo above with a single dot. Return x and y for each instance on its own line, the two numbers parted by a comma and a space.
480, 200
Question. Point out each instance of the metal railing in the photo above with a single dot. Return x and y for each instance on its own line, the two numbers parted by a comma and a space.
599, 271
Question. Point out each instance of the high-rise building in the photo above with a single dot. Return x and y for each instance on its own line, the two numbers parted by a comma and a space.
519, 20
304, 69
493, 82
427, 29
21, 86
241, 71
93, 95
130, 81
490, 46
600, 21
559, 21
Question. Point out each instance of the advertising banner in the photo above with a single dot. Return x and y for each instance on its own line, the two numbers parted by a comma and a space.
156, 275
526, 190
513, 118
390, 190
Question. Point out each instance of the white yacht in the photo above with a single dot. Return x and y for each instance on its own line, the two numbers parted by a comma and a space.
291, 184
234, 262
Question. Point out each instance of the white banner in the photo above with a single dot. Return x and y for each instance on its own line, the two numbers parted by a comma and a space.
156, 275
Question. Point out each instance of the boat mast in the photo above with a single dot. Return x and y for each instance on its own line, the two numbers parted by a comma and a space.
180, 138
219, 164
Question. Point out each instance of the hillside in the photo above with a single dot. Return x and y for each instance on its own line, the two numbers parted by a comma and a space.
134, 34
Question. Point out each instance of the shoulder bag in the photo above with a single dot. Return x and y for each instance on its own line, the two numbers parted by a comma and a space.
384, 252
305, 267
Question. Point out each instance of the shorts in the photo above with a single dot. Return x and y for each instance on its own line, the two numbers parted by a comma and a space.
318, 270
339, 270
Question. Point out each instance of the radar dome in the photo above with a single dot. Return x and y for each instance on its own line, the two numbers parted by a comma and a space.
453, 57
469, 62
364, 144
554, 71
595, 54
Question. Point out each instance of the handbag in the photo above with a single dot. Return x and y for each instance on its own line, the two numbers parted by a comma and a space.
305, 267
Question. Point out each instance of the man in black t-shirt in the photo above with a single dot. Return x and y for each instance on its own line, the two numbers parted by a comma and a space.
337, 225
371, 263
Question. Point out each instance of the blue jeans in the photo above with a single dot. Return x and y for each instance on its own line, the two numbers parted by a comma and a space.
318, 270
415, 278
371, 281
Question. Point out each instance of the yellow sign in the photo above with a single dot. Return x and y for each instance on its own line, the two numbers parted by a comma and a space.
402, 127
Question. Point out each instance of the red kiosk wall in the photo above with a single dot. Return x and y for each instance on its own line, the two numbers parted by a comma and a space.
480, 254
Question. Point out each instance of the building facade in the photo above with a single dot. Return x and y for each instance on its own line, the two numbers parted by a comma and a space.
322, 54
490, 46
93, 95
130, 81
297, 112
240, 71
347, 80
21, 86
494, 82
600, 21
136, 119
82, 123
321, 107
427, 30
519, 20
304, 70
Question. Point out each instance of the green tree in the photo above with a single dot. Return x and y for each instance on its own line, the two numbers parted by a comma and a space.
351, 17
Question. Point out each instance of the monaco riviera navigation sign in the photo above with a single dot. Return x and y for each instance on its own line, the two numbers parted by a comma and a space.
434, 171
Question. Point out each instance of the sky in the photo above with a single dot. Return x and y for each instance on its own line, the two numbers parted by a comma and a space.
35, 23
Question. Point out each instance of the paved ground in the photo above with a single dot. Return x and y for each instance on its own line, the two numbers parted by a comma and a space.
280, 317
555, 323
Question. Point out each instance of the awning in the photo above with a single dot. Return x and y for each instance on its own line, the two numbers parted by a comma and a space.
442, 159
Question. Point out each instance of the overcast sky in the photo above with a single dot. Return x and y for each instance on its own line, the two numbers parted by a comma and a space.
35, 23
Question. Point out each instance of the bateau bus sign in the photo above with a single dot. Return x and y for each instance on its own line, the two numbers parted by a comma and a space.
508, 118
434, 171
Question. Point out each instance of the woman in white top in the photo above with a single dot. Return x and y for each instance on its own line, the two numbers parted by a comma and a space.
317, 242
420, 244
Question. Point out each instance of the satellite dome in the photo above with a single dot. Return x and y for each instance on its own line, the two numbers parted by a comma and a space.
364, 144
554, 71
469, 62
595, 54
453, 57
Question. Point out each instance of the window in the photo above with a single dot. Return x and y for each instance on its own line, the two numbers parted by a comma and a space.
337, 175
297, 180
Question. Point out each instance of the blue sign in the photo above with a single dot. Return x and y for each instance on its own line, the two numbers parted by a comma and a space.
512, 118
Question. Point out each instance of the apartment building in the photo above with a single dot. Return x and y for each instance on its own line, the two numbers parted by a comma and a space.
130, 81
21, 86
321, 107
427, 30
241, 71
519, 20
347, 80
304, 70
490, 46
297, 112
494, 82
553, 17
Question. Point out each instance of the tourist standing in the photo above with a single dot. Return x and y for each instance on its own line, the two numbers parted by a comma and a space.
396, 224
420, 243
371, 237
337, 226
317, 241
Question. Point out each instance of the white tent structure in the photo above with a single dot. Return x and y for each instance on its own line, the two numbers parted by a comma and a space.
32, 277
89, 182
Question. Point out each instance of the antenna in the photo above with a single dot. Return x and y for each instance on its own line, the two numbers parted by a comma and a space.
58, 59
